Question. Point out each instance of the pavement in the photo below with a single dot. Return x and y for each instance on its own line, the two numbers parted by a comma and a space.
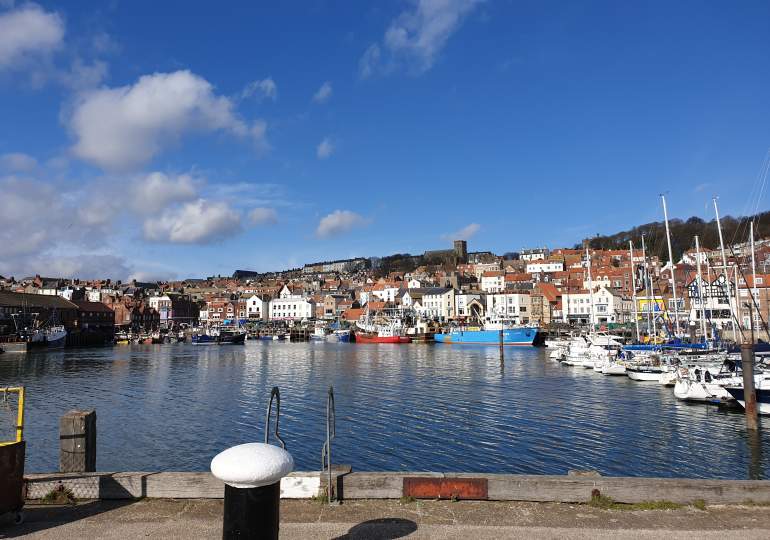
390, 519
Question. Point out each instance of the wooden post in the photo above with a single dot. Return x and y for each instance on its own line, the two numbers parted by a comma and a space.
77, 442
749, 394
502, 347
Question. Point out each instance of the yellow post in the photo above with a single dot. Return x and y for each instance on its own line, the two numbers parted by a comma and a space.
20, 415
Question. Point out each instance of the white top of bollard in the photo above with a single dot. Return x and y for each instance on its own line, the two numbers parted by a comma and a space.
252, 465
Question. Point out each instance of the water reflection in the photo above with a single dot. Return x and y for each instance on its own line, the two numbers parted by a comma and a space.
418, 407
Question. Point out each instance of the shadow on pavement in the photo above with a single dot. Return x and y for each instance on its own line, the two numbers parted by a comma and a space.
41, 517
381, 529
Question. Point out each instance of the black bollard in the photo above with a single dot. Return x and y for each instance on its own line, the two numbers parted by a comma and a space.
252, 512
252, 475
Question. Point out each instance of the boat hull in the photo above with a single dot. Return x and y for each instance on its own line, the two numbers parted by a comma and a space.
364, 338
614, 369
687, 390
524, 337
763, 399
205, 339
338, 337
643, 376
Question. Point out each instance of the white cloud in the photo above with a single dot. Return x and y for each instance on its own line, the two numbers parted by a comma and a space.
125, 127
155, 191
416, 37
97, 212
82, 75
325, 148
264, 89
369, 61
27, 210
197, 222
465, 233
28, 32
263, 216
152, 276
39, 220
324, 93
17, 161
338, 222
83, 266
258, 132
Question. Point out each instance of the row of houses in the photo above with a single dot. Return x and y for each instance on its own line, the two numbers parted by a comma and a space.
539, 286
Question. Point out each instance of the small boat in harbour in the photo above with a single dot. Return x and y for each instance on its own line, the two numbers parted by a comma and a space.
219, 336
339, 336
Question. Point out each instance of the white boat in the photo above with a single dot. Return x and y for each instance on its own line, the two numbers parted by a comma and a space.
588, 362
559, 354
644, 372
319, 334
614, 368
707, 383
667, 378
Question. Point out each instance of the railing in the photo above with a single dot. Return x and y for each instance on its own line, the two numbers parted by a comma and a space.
326, 450
274, 393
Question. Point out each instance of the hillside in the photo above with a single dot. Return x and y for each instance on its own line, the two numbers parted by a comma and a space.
734, 230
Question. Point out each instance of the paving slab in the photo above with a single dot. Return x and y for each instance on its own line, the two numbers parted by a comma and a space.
388, 519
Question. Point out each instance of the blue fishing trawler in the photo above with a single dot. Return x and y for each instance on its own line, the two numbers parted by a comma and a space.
514, 335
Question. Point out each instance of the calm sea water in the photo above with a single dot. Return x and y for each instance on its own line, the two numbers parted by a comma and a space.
399, 407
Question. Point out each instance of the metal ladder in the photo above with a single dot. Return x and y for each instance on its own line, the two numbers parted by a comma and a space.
326, 450
274, 393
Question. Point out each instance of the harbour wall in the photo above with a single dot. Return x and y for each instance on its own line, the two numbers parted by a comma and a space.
572, 488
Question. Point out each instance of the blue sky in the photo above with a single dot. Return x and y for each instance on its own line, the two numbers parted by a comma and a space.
161, 140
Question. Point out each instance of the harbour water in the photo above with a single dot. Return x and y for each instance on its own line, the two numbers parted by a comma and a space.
399, 407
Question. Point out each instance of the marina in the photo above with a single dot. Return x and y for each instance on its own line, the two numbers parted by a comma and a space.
399, 408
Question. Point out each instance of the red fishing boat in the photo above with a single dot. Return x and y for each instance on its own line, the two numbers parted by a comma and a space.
383, 328
366, 337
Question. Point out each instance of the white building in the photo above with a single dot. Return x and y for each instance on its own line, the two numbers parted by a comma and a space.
385, 292
544, 267
533, 254
512, 306
716, 303
161, 304
607, 307
492, 282
291, 309
257, 308
464, 305
438, 302
480, 268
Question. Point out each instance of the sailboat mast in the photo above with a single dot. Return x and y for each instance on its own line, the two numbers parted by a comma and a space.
590, 290
700, 291
633, 286
754, 295
671, 262
724, 270
648, 288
